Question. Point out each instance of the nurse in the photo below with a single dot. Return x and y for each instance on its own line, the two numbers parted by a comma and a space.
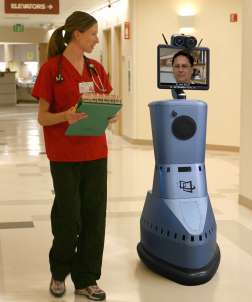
78, 164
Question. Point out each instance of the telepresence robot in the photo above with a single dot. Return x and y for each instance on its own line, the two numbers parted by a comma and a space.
178, 228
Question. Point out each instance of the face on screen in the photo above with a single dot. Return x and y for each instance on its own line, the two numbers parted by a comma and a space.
181, 68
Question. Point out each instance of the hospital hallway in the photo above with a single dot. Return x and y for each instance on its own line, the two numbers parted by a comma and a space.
25, 232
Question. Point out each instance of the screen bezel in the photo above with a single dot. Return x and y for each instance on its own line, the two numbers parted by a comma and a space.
195, 86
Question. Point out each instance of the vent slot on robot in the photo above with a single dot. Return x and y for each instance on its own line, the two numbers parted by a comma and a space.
184, 169
180, 169
174, 235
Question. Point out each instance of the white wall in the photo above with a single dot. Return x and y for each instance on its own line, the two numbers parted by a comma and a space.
8, 52
30, 35
246, 108
25, 52
2, 53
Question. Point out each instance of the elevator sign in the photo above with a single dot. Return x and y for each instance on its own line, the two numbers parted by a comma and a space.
32, 6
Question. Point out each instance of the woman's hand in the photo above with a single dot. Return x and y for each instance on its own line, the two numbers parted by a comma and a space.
72, 116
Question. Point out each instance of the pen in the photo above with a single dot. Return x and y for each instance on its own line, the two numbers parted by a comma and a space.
74, 108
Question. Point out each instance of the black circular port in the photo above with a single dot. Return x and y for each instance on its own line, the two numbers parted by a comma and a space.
184, 127
174, 113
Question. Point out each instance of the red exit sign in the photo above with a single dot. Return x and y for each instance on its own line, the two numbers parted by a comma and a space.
31, 6
233, 17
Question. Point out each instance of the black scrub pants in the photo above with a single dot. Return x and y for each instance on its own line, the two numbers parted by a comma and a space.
78, 220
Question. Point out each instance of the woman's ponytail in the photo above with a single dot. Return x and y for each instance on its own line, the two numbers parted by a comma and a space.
78, 20
56, 44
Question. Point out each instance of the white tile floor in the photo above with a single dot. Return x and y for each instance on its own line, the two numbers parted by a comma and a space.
25, 236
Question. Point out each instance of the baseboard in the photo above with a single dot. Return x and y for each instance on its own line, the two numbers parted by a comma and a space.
222, 148
246, 202
27, 101
133, 141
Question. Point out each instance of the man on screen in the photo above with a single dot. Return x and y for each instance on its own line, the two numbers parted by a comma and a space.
182, 65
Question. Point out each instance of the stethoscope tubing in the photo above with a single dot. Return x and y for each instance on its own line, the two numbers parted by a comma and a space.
91, 70
99, 86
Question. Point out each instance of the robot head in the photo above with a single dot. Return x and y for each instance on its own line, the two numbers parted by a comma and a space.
183, 41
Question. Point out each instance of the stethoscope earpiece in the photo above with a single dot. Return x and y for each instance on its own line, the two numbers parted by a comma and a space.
59, 78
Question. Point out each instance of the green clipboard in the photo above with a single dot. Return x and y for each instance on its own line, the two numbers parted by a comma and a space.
96, 122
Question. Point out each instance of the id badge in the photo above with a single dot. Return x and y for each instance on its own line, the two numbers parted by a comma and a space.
86, 87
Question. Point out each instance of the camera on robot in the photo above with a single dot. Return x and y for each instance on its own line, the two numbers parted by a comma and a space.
183, 41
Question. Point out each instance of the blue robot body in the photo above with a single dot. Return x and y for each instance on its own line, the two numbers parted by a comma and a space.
176, 181
180, 151
178, 228
174, 234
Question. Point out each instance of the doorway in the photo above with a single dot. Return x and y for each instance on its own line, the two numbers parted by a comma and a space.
108, 52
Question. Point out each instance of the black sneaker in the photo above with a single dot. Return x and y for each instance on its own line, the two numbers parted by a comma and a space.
57, 288
92, 292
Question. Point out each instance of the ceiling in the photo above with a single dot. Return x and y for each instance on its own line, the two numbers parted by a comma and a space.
66, 8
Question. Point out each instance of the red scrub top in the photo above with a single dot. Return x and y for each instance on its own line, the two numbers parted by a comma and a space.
61, 96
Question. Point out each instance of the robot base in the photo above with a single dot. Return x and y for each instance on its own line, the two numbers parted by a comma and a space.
178, 274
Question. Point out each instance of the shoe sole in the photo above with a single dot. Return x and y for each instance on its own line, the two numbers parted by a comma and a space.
57, 295
89, 296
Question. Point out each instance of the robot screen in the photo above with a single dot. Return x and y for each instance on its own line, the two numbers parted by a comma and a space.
179, 67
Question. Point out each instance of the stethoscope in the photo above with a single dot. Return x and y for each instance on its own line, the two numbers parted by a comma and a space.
91, 70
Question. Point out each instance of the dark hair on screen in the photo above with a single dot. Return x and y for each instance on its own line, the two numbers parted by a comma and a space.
185, 54
78, 20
